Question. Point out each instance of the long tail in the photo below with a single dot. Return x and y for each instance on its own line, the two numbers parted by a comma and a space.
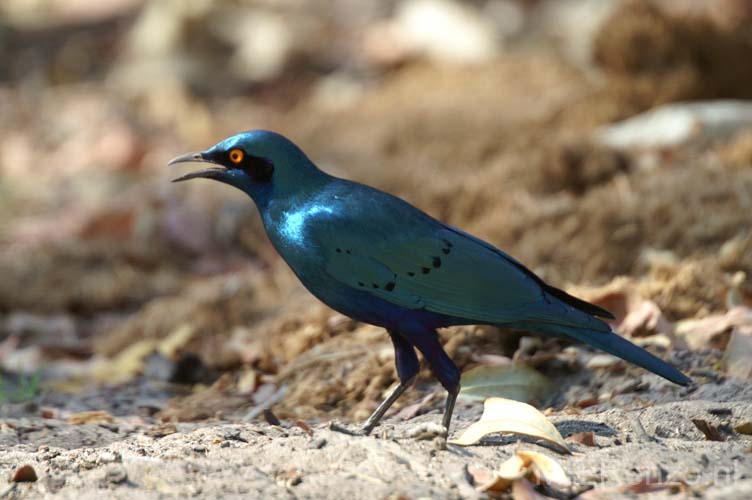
618, 346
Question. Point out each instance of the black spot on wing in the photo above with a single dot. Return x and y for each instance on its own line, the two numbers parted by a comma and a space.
425, 270
436, 262
389, 286
545, 287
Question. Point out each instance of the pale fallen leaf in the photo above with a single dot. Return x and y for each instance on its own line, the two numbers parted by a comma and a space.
744, 428
505, 415
491, 359
90, 417
738, 353
674, 124
247, 381
735, 292
616, 297
161, 430
644, 318
599, 361
544, 468
512, 468
484, 479
659, 340
126, 365
713, 331
520, 383
176, 340
541, 468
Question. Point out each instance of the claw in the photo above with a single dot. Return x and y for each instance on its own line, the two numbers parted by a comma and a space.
337, 427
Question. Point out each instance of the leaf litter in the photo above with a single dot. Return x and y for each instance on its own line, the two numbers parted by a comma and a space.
508, 416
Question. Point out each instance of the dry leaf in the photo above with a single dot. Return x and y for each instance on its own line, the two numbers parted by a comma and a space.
247, 381
600, 361
523, 464
126, 365
512, 468
306, 428
161, 430
615, 297
660, 340
484, 479
744, 428
505, 415
491, 359
90, 417
644, 318
713, 331
711, 431
522, 489
586, 438
24, 474
176, 340
544, 468
520, 383
738, 353
640, 487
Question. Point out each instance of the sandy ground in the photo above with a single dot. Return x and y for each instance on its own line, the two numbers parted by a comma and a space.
645, 435
165, 308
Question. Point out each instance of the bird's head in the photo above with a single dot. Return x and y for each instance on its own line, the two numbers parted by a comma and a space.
258, 162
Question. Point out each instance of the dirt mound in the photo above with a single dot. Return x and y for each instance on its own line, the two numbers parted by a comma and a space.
658, 56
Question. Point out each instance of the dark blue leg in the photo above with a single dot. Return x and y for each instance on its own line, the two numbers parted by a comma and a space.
407, 369
404, 357
444, 369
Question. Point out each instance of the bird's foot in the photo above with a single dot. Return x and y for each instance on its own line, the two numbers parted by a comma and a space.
349, 430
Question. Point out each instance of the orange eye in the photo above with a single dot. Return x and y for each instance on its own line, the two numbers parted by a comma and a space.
236, 155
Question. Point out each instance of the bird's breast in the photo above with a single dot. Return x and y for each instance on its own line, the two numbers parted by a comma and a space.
294, 224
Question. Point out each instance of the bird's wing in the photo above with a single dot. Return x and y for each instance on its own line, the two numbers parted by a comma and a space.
440, 269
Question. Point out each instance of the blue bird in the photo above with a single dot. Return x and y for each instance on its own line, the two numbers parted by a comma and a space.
379, 260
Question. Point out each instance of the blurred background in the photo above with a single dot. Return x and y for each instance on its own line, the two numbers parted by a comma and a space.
605, 144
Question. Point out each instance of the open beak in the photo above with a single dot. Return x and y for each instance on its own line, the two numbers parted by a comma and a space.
207, 173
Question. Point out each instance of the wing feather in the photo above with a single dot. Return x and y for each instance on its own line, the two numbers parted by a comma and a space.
399, 254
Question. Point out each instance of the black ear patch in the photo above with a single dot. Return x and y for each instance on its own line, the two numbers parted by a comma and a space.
258, 168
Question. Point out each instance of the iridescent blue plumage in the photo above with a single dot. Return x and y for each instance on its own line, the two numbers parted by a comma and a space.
378, 259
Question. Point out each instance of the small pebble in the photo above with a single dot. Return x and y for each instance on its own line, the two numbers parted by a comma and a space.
427, 430
116, 475
317, 444
55, 483
108, 457
721, 412
24, 474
